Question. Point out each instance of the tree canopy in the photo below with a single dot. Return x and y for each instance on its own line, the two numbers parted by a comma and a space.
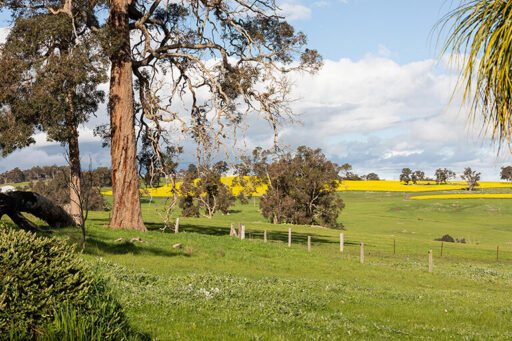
301, 186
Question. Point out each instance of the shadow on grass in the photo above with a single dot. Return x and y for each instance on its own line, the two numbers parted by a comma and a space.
94, 245
301, 238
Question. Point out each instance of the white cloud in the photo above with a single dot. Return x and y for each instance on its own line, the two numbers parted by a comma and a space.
295, 11
381, 116
373, 113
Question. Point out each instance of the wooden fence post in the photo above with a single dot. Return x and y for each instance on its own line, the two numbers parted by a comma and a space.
177, 225
264, 236
362, 254
394, 247
239, 230
341, 242
289, 237
232, 231
309, 243
430, 261
497, 252
242, 234
442, 244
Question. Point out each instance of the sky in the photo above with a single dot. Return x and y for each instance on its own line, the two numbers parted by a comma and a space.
380, 102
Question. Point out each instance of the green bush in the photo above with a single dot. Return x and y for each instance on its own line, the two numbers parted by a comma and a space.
36, 275
48, 293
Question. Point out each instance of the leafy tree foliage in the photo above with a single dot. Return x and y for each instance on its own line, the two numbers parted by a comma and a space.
372, 177
101, 175
57, 190
48, 82
443, 175
506, 173
188, 206
472, 177
405, 176
301, 186
417, 176
204, 186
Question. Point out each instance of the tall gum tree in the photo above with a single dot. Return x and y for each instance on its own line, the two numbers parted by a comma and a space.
237, 52
126, 211
48, 82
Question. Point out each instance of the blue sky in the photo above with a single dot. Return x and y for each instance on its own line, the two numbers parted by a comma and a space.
380, 102
354, 28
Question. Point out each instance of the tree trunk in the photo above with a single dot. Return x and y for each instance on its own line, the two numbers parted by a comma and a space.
126, 212
75, 189
13, 203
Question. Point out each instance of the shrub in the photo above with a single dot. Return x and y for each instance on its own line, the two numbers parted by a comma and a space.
36, 274
446, 238
48, 292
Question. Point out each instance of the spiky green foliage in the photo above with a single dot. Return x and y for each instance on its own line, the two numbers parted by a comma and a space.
48, 293
36, 275
480, 38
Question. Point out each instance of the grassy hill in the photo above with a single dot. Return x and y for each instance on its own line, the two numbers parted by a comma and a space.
219, 288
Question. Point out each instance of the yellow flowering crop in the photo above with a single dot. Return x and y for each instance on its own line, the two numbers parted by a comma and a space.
464, 196
346, 185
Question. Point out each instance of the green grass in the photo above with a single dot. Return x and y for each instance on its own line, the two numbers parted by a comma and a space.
220, 288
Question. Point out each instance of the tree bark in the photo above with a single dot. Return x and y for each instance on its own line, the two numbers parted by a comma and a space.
13, 203
126, 211
75, 188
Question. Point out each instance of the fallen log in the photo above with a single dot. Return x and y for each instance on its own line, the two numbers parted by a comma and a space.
13, 203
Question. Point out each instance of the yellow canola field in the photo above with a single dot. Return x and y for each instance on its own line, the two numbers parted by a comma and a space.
464, 196
377, 186
422, 186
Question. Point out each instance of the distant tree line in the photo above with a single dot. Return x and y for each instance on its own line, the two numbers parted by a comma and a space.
37, 173
52, 182
442, 176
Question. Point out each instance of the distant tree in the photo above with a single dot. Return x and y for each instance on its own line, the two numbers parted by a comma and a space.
15, 176
372, 177
506, 173
417, 176
345, 170
471, 177
57, 190
406, 175
301, 187
207, 190
443, 175
102, 177
189, 207
352, 177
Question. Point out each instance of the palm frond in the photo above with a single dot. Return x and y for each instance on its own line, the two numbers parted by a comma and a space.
480, 32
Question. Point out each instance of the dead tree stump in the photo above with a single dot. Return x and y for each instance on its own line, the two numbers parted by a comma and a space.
13, 203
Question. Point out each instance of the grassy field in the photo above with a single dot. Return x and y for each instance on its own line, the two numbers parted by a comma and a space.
220, 288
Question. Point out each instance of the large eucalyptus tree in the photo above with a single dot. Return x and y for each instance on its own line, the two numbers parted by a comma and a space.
222, 60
